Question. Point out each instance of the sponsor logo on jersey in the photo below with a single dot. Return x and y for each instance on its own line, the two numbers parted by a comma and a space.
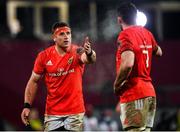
62, 73
60, 69
70, 60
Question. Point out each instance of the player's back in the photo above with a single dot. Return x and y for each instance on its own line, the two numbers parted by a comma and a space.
141, 42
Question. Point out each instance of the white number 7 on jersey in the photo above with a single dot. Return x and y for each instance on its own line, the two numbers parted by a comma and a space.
147, 57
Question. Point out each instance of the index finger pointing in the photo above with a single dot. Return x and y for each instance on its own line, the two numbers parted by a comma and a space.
86, 39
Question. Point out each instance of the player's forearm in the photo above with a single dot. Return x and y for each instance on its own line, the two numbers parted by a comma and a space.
121, 78
30, 92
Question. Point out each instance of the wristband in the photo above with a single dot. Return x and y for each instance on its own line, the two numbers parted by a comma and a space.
89, 53
27, 105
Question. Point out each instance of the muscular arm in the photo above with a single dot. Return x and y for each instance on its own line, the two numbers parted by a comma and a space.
31, 88
29, 95
127, 62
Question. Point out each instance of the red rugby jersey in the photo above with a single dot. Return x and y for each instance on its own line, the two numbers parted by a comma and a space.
141, 42
63, 78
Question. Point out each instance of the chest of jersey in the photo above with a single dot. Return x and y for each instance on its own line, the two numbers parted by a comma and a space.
57, 65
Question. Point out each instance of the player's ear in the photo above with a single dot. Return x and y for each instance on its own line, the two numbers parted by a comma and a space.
120, 20
53, 37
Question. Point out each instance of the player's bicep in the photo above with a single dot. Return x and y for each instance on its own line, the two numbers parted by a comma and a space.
127, 58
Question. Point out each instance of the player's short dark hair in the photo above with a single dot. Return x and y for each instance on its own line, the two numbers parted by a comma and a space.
128, 12
59, 24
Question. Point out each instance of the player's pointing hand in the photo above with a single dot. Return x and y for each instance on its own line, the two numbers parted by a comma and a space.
87, 46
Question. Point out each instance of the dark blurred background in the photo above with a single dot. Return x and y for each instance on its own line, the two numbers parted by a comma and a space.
25, 29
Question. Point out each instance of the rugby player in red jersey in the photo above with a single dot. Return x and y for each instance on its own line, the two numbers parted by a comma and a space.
133, 83
62, 65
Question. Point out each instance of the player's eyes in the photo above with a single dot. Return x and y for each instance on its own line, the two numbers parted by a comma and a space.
62, 33
68, 33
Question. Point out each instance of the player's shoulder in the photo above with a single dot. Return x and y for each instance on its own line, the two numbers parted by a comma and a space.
128, 31
144, 29
123, 34
47, 51
50, 48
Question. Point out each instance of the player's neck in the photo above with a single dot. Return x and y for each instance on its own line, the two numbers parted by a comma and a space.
126, 26
61, 51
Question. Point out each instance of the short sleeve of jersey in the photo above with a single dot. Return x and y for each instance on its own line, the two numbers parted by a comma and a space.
125, 42
39, 65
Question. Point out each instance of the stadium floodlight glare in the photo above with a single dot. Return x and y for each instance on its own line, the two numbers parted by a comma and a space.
141, 18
